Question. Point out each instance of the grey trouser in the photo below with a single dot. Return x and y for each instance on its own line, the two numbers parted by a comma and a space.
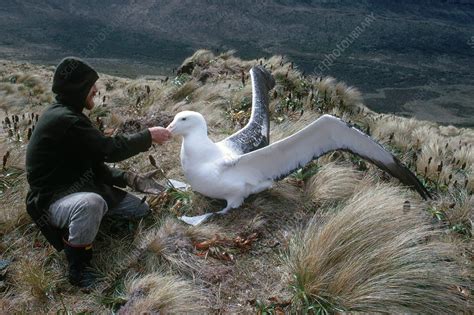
82, 213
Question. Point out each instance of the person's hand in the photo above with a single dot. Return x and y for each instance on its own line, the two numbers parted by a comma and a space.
144, 183
159, 134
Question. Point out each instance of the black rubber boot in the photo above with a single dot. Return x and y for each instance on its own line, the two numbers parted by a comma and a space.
80, 272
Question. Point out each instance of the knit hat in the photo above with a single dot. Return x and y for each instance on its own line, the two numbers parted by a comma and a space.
72, 82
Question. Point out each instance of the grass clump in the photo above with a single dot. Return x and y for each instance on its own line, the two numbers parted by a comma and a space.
184, 90
36, 278
155, 293
373, 256
333, 183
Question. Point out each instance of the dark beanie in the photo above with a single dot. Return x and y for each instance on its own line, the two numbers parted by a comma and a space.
72, 81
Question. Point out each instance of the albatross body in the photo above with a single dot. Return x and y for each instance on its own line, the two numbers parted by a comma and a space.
245, 163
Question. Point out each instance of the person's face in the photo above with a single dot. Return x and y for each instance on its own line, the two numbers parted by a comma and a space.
90, 97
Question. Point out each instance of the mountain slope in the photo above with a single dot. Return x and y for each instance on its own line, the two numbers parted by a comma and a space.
404, 61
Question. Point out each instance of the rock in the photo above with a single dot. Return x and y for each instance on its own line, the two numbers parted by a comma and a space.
186, 68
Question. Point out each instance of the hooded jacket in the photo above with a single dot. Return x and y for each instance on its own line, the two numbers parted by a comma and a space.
66, 153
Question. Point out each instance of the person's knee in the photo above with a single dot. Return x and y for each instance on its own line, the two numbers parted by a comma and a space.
86, 216
92, 206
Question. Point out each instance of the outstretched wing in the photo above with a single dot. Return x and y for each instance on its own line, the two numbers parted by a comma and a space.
255, 134
324, 135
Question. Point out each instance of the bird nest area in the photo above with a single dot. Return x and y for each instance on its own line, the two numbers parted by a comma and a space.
338, 235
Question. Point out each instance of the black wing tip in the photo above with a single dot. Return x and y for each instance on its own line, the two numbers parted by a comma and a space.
268, 77
412, 181
424, 193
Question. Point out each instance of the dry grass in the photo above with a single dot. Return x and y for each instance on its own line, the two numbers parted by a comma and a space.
348, 96
464, 155
161, 245
457, 211
372, 256
172, 244
424, 133
32, 88
200, 57
35, 278
162, 294
396, 130
13, 189
432, 162
333, 183
185, 90
470, 181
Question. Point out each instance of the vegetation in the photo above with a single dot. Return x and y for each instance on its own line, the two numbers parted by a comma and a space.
337, 235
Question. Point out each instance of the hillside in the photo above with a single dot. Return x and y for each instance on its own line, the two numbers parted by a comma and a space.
337, 235
405, 61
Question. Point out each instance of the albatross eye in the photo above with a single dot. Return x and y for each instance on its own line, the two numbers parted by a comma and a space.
183, 118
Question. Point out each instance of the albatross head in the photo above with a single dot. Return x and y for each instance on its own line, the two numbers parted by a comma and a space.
187, 122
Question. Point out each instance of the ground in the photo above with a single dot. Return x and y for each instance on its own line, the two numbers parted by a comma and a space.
337, 235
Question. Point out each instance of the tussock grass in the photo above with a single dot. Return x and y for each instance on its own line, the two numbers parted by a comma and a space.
114, 254
8, 88
227, 54
457, 211
374, 257
211, 112
333, 183
432, 162
349, 96
32, 88
185, 90
470, 181
35, 278
172, 244
358, 234
13, 189
8, 101
465, 155
161, 294
396, 131
449, 131
114, 120
201, 57
287, 78
215, 94
423, 134
289, 127
326, 85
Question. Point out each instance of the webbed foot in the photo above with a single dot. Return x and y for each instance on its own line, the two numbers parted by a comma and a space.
196, 220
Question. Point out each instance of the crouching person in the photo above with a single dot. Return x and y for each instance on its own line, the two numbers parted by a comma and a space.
71, 188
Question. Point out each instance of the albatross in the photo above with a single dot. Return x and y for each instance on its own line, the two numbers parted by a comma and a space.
245, 163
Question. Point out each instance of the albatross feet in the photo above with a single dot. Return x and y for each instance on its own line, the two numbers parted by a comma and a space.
196, 220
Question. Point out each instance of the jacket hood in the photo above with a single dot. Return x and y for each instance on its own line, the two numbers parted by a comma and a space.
72, 82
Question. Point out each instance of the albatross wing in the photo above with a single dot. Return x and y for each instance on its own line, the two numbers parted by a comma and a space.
255, 134
324, 135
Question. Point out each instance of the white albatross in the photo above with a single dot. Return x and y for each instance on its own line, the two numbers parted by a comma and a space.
245, 163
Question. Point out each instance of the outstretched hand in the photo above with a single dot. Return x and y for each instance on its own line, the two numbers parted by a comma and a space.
159, 134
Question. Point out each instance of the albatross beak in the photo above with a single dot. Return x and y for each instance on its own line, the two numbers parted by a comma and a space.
170, 128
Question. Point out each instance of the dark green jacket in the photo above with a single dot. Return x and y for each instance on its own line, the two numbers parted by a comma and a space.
66, 154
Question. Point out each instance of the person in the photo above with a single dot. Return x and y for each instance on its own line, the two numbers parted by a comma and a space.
70, 187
